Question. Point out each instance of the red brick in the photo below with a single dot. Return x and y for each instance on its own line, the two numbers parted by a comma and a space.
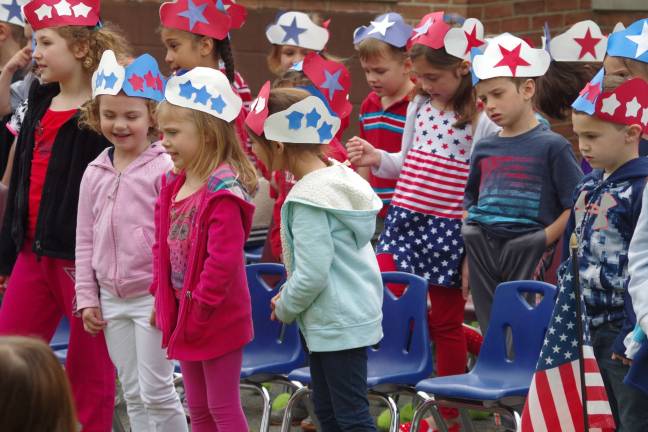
498, 10
493, 27
561, 5
574, 17
412, 12
527, 7
555, 22
457, 2
515, 25
475, 12
585, 4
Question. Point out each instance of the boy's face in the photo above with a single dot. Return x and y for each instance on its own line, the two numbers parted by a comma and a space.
504, 101
385, 74
605, 145
290, 54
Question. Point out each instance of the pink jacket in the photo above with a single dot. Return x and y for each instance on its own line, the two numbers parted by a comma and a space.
115, 226
214, 315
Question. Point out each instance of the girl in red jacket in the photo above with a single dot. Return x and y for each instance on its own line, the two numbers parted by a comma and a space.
202, 220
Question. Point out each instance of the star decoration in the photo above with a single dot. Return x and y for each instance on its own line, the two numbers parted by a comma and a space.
592, 91
632, 107
202, 96
137, 82
313, 118
472, 40
381, 26
610, 104
81, 10
149, 79
158, 83
194, 14
423, 28
512, 58
14, 11
325, 131
258, 105
294, 120
587, 44
63, 8
186, 90
644, 116
110, 80
332, 82
44, 11
218, 104
641, 40
292, 32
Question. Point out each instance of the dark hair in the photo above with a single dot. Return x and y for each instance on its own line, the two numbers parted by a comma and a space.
373, 48
222, 51
463, 102
560, 86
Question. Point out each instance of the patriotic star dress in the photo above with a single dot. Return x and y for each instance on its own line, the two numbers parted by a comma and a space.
423, 227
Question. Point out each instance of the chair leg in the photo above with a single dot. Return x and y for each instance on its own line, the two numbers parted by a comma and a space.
392, 406
425, 405
466, 421
267, 405
296, 397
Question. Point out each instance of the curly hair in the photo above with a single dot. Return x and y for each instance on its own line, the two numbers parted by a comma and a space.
91, 119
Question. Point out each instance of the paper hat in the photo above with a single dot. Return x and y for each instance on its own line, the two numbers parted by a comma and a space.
332, 79
430, 31
141, 78
296, 28
11, 11
389, 28
204, 89
42, 14
631, 43
510, 56
203, 17
583, 42
460, 41
259, 110
236, 12
627, 104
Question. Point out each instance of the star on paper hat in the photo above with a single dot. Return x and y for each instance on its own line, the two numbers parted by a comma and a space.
203, 17
389, 28
332, 79
631, 43
296, 28
259, 110
11, 11
141, 78
460, 41
204, 89
509, 56
583, 42
430, 31
58, 13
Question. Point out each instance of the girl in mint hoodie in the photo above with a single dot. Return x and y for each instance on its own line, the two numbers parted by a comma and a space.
334, 289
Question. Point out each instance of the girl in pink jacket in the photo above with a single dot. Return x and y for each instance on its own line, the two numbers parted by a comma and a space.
202, 220
115, 229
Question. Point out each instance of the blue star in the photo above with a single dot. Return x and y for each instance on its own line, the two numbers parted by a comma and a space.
332, 82
202, 96
14, 11
220, 6
292, 32
312, 118
110, 80
100, 79
325, 131
218, 104
187, 90
294, 120
194, 14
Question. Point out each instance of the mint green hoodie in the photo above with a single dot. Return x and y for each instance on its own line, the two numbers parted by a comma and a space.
334, 289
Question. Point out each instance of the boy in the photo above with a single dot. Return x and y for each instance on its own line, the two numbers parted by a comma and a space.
608, 119
381, 48
519, 190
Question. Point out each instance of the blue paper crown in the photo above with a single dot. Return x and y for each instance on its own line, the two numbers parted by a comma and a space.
631, 43
142, 78
586, 101
389, 28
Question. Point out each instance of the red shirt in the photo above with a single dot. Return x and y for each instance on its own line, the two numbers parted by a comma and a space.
383, 128
43, 141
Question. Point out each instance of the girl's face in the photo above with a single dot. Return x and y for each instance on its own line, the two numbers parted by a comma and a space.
290, 54
182, 52
440, 84
181, 136
125, 121
54, 59
385, 74
266, 155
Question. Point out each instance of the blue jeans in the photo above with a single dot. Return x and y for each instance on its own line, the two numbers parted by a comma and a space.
339, 380
629, 406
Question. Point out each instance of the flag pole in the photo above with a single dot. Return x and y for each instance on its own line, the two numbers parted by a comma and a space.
573, 246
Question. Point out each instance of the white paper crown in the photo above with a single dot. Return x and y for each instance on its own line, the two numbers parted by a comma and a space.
308, 121
510, 56
296, 28
204, 89
459, 41
11, 11
583, 42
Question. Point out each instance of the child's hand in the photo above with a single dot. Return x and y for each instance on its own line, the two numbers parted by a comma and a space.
273, 304
152, 318
93, 322
20, 60
625, 361
361, 153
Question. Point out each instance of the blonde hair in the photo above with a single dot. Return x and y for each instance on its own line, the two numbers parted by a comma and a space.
35, 392
90, 117
218, 144
372, 48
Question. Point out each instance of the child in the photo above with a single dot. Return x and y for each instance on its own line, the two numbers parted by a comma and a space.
422, 228
192, 41
521, 180
115, 225
387, 67
35, 394
203, 217
608, 119
37, 239
334, 290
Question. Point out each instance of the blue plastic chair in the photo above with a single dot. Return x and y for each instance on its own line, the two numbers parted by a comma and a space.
401, 359
497, 383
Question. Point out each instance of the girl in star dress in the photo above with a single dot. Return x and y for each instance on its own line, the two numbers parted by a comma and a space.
422, 233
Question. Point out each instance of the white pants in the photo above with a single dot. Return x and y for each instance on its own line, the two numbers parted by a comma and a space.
146, 375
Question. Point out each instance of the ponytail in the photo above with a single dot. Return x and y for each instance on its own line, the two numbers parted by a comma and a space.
223, 50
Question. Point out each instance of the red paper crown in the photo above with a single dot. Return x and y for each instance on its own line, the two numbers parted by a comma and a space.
430, 31
197, 16
259, 110
332, 79
58, 13
627, 104
237, 13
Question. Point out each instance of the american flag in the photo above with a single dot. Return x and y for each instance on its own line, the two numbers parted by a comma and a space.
554, 402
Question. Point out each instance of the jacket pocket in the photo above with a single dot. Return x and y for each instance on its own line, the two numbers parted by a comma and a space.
198, 317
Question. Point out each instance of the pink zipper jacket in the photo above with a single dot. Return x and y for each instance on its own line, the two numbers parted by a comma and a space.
115, 226
214, 314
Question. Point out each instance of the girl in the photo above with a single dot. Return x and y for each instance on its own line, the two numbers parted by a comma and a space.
422, 228
37, 240
203, 217
334, 289
115, 225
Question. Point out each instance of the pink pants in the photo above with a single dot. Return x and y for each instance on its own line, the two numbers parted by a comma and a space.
212, 389
39, 293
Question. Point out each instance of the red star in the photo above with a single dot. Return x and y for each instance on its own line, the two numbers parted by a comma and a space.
512, 58
588, 44
445, 146
592, 91
150, 79
450, 131
137, 82
472, 40
158, 83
